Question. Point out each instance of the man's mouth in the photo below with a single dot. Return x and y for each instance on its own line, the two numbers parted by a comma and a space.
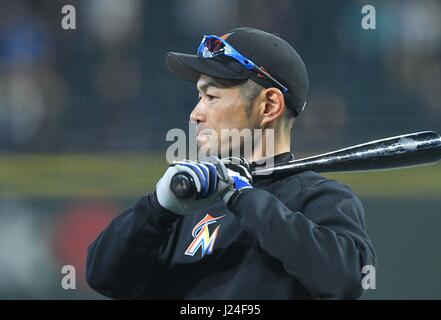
202, 131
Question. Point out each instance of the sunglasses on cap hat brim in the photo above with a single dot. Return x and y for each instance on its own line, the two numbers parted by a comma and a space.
213, 46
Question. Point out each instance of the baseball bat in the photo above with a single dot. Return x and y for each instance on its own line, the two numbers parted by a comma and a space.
407, 150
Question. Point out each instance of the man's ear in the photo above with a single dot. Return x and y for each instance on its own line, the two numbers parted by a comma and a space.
274, 106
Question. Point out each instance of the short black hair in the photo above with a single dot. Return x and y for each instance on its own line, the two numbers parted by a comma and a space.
250, 91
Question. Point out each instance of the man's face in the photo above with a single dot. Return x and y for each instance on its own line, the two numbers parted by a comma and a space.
219, 107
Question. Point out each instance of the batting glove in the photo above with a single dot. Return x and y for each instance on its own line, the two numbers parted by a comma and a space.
239, 177
218, 178
209, 183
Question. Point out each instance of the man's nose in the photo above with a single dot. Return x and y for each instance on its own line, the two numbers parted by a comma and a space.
197, 115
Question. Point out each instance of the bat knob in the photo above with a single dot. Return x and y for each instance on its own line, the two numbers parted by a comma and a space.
182, 185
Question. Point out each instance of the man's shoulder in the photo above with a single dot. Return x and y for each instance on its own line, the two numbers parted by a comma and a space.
312, 186
314, 180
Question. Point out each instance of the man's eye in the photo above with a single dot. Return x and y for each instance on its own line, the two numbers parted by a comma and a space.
209, 97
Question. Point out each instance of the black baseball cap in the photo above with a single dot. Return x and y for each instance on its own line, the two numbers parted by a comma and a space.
266, 50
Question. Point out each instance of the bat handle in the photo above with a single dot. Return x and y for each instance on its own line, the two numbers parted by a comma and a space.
183, 185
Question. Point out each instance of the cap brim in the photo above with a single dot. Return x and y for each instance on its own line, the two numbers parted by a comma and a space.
189, 67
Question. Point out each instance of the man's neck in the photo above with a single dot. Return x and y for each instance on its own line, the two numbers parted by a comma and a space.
264, 150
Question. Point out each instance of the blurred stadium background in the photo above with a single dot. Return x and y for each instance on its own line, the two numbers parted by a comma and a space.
84, 113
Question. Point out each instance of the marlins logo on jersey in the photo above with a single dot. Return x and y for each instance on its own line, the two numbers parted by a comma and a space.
202, 237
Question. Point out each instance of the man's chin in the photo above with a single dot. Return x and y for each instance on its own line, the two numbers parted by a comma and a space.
205, 149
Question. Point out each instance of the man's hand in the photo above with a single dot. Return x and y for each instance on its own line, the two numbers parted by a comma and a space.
212, 179
239, 176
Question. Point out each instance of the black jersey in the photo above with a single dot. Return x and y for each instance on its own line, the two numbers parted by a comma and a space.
301, 237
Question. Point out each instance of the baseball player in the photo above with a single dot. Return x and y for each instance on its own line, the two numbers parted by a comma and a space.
298, 237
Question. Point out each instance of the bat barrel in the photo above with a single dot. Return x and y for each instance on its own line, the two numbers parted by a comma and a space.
396, 152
